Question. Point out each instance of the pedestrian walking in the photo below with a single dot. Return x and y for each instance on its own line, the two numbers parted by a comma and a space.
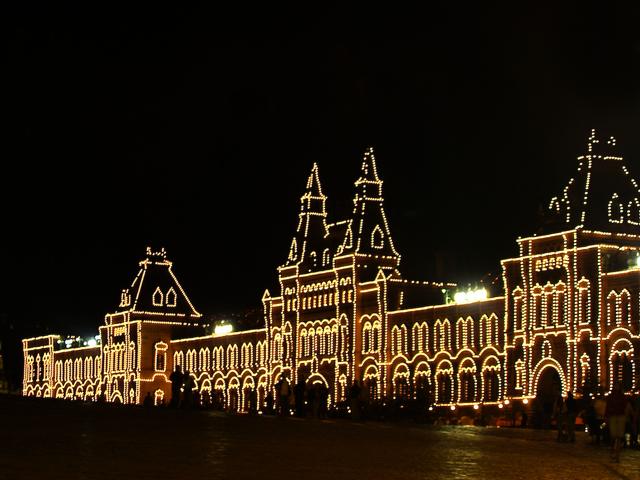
618, 409
560, 414
187, 396
299, 392
283, 395
176, 378
570, 417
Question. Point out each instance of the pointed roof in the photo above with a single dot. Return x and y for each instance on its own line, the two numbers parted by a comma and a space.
601, 196
155, 290
369, 231
368, 170
314, 189
309, 239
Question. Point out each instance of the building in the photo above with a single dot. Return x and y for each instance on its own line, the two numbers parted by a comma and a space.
567, 318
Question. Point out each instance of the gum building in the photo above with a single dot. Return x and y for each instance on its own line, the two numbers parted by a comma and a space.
567, 318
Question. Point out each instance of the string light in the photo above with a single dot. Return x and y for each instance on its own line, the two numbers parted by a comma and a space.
342, 313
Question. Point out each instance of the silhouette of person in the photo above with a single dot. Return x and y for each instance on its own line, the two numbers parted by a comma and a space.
176, 379
148, 401
299, 392
187, 398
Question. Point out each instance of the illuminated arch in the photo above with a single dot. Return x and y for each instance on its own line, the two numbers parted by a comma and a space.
400, 381
491, 379
445, 386
537, 372
622, 365
467, 381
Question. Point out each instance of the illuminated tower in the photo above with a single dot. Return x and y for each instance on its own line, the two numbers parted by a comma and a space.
368, 236
306, 246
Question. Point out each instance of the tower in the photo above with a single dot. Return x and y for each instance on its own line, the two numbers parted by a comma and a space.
307, 245
368, 236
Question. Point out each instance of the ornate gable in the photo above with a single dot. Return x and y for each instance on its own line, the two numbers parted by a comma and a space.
156, 290
601, 196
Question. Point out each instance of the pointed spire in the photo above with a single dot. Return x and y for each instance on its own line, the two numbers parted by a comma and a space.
369, 184
370, 230
313, 183
368, 171
313, 200
312, 226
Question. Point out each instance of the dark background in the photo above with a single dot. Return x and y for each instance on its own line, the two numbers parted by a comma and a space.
194, 128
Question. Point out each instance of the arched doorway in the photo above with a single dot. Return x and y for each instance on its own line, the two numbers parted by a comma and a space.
548, 389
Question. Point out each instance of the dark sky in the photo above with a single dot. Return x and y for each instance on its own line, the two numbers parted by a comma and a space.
194, 128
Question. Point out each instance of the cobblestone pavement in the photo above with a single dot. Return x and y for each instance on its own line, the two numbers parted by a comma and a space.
59, 440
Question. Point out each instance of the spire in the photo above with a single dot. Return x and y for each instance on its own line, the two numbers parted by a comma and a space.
306, 245
370, 230
313, 200
369, 179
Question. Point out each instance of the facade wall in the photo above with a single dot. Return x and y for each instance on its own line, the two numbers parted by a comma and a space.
567, 316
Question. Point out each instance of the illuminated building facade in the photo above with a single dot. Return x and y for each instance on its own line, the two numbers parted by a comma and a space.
568, 317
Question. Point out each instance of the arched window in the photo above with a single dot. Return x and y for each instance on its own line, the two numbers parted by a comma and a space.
633, 212
615, 209
624, 310
559, 299
517, 309
375, 336
584, 369
366, 338
612, 304
584, 301
302, 343
171, 298
158, 297
519, 374
160, 358
536, 305
326, 259
377, 238
467, 380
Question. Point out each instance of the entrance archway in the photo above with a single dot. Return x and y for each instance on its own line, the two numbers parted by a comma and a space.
549, 387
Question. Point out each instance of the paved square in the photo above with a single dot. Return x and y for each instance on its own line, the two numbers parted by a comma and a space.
61, 440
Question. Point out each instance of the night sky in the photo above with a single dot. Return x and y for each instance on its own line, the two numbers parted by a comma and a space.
194, 129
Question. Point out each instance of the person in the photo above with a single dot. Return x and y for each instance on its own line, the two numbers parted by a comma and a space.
187, 399
253, 401
635, 421
617, 410
524, 419
323, 396
354, 399
148, 401
299, 391
269, 404
560, 414
599, 407
570, 417
283, 395
592, 423
312, 397
176, 379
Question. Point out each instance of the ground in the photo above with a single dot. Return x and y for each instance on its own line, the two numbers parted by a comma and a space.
63, 440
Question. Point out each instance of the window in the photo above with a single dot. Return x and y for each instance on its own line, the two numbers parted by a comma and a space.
158, 297
171, 298
160, 356
377, 238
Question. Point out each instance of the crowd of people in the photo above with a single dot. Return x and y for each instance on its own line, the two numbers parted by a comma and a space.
613, 419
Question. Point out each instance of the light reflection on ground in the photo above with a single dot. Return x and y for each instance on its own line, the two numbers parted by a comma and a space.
53, 440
